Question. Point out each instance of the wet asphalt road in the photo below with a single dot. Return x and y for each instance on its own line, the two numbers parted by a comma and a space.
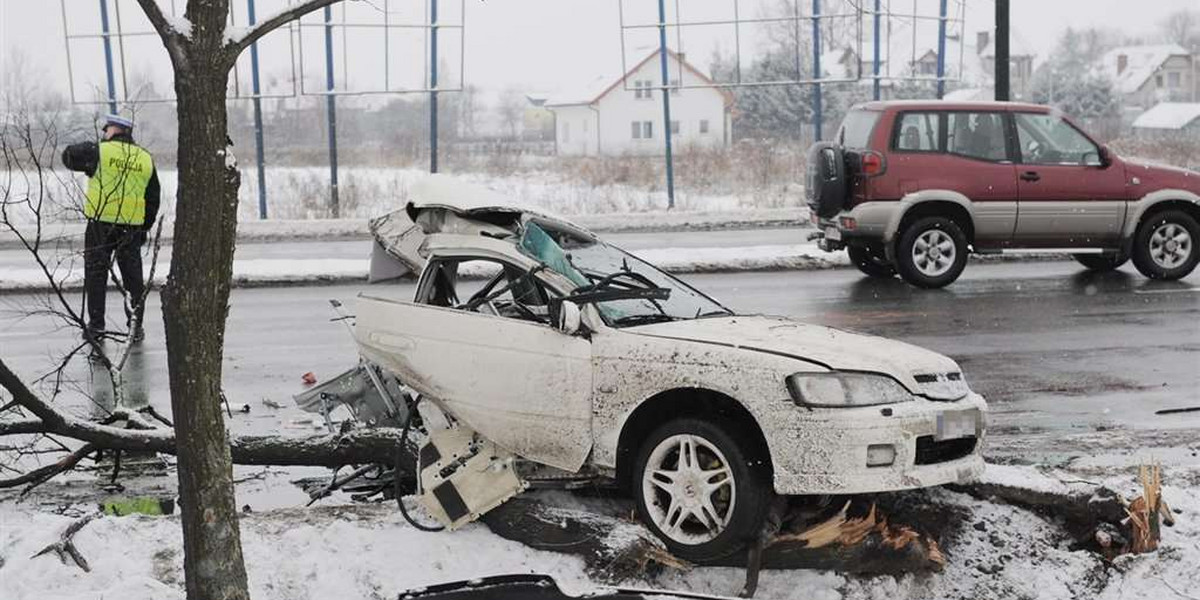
1055, 349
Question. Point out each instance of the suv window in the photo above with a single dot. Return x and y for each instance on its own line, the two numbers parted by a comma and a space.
918, 132
976, 135
857, 127
1050, 140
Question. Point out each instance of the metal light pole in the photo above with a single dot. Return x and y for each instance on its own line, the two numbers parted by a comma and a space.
666, 98
875, 86
816, 32
433, 84
258, 120
941, 54
108, 65
331, 114
1003, 90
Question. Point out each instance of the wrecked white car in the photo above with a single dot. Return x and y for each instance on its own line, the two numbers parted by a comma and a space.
534, 335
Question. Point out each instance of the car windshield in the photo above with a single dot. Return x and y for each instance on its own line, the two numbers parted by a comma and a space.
590, 263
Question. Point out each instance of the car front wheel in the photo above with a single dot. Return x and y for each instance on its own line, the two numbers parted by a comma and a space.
1101, 262
870, 263
699, 490
932, 252
1164, 246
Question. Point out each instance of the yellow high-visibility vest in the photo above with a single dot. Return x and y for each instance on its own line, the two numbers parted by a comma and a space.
116, 193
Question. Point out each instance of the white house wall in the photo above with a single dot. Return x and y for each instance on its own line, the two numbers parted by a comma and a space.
575, 130
620, 108
606, 127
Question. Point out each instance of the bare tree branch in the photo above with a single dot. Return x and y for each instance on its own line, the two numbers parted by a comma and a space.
238, 44
165, 30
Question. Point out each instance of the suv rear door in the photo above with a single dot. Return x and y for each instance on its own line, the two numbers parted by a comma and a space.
1067, 198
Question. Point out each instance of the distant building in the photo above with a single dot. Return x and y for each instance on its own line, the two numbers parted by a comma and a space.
973, 72
624, 115
1146, 75
1169, 119
537, 121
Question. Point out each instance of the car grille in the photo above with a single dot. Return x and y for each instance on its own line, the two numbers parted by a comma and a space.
931, 452
944, 387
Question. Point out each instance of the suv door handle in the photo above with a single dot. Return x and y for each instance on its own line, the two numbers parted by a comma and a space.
1030, 176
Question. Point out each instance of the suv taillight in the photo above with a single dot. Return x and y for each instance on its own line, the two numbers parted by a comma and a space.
873, 164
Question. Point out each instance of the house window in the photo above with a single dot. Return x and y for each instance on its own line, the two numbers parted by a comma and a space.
1174, 80
674, 127
643, 89
675, 87
566, 132
637, 130
643, 130
1158, 81
585, 126
703, 125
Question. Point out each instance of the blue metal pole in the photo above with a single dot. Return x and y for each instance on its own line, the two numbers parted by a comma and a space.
433, 84
816, 30
258, 121
941, 59
666, 97
108, 59
331, 114
876, 60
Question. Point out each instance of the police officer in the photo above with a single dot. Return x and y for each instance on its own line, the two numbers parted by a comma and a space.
122, 203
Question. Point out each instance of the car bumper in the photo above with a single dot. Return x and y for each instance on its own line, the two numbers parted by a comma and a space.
825, 451
869, 222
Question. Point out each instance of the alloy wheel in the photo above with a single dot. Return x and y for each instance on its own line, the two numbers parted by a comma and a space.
933, 253
1170, 245
689, 489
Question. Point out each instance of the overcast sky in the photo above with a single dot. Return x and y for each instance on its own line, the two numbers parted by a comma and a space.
532, 45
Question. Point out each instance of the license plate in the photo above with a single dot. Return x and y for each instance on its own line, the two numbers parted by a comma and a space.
953, 425
833, 233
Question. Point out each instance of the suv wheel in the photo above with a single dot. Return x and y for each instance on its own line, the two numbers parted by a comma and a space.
1101, 262
1164, 246
932, 252
699, 490
870, 262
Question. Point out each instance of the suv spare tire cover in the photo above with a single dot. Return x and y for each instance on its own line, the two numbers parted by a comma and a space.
826, 183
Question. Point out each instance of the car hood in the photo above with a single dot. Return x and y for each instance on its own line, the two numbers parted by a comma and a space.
921, 371
1154, 176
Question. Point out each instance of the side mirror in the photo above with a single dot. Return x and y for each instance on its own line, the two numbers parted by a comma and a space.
570, 320
1106, 158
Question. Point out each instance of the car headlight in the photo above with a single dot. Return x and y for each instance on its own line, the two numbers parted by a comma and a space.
845, 389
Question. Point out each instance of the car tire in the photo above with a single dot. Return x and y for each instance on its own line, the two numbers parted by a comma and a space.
870, 262
672, 507
932, 252
827, 185
1101, 262
1164, 246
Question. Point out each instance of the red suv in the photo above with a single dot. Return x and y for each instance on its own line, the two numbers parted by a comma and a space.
912, 187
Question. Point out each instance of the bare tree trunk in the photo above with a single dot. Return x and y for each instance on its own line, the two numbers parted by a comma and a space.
195, 306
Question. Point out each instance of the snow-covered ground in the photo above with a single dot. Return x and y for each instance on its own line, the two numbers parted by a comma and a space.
303, 193
994, 551
266, 271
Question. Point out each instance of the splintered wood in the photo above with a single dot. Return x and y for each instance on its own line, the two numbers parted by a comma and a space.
1148, 512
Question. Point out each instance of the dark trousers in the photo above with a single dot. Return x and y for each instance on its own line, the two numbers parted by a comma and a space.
101, 242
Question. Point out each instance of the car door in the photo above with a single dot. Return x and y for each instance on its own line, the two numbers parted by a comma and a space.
520, 383
964, 152
1067, 197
